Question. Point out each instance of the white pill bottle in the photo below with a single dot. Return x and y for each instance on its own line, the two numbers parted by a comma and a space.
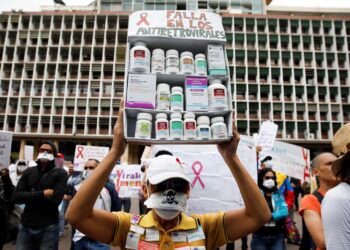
140, 58
200, 65
186, 63
203, 128
217, 95
172, 62
158, 61
218, 128
190, 126
176, 126
163, 96
177, 99
162, 127
143, 126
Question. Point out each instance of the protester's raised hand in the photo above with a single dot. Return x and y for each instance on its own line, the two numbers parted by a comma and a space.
228, 149
119, 142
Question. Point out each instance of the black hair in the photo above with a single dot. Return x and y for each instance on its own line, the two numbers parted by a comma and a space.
343, 174
95, 160
163, 152
267, 158
261, 175
53, 146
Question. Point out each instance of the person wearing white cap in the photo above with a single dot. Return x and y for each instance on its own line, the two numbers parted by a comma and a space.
336, 203
166, 225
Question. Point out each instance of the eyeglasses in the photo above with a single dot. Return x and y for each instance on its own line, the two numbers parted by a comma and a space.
89, 168
179, 185
42, 150
269, 178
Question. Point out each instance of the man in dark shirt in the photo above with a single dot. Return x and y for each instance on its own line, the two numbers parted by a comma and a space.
41, 189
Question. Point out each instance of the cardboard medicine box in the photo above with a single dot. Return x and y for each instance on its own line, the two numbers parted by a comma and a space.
196, 93
141, 91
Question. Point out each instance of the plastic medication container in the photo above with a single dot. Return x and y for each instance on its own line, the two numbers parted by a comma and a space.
158, 61
143, 126
217, 95
203, 128
140, 58
200, 65
176, 126
177, 99
186, 63
163, 96
172, 62
162, 127
218, 128
189, 126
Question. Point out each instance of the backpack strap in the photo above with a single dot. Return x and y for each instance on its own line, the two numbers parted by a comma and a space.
318, 195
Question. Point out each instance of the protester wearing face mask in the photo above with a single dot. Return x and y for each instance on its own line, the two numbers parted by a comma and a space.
270, 236
21, 166
41, 189
166, 225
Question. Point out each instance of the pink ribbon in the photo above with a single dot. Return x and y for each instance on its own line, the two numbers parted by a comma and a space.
197, 172
80, 152
143, 19
306, 170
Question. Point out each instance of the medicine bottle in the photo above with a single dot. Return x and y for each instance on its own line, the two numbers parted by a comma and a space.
143, 126
203, 128
140, 58
217, 95
186, 63
163, 96
177, 99
218, 128
176, 126
172, 62
162, 127
200, 65
189, 126
158, 61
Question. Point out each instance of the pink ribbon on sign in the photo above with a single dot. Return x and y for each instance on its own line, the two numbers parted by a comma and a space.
80, 152
143, 19
306, 170
197, 172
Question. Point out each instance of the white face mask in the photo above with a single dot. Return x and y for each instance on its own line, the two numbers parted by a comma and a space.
21, 168
269, 184
45, 156
167, 204
86, 174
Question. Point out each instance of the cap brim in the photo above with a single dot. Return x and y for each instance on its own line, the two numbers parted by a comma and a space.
154, 180
338, 163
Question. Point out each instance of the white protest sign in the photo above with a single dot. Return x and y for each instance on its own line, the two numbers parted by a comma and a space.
28, 153
267, 135
127, 179
5, 148
289, 159
177, 24
213, 186
84, 153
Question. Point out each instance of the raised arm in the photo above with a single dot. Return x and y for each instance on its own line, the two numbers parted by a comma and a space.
98, 224
241, 222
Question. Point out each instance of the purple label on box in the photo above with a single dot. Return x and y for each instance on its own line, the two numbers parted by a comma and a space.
194, 82
141, 105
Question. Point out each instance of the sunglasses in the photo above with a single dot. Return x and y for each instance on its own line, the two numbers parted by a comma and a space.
42, 150
89, 168
269, 178
179, 185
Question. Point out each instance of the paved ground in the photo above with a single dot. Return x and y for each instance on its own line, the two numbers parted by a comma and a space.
64, 243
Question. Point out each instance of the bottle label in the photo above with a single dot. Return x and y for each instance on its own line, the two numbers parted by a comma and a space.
144, 130
187, 65
176, 129
157, 66
219, 131
190, 125
162, 130
219, 92
139, 54
163, 101
176, 102
172, 62
203, 133
217, 98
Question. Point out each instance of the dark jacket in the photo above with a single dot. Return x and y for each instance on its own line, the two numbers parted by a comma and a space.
39, 210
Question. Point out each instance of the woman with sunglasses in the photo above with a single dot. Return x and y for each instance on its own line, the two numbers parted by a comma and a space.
166, 225
270, 236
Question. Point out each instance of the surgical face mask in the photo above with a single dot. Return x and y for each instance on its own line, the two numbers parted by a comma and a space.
269, 184
21, 168
86, 174
167, 204
45, 156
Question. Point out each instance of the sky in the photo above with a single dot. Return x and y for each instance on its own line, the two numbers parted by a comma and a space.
34, 5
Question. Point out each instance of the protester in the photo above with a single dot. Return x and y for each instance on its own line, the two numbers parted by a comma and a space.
12, 166
271, 235
310, 210
296, 185
6, 190
41, 189
21, 166
336, 203
107, 200
167, 181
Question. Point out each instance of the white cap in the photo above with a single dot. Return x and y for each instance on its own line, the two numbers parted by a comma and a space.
172, 52
214, 81
161, 116
203, 120
176, 115
140, 43
144, 116
179, 89
200, 56
217, 119
158, 52
189, 115
163, 87
166, 167
186, 53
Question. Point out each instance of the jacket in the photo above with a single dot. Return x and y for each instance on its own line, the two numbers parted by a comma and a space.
280, 208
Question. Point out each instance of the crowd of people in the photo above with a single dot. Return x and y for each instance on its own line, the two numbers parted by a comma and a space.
37, 199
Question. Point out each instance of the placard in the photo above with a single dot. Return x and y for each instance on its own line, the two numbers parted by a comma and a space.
5, 148
28, 153
84, 153
267, 135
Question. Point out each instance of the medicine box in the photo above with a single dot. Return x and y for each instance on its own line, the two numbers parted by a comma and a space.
196, 93
141, 91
